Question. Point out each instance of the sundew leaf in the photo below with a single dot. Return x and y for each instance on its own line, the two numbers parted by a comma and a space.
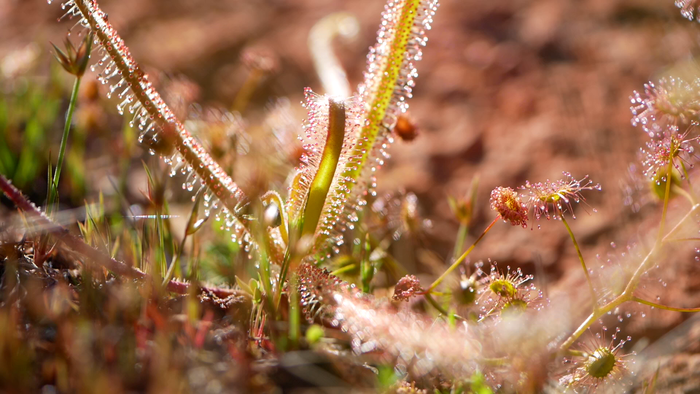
160, 128
318, 191
315, 201
388, 83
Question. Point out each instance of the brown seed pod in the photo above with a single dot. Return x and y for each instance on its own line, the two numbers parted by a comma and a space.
406, 128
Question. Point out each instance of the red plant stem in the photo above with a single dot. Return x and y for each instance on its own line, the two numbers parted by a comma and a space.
78, 245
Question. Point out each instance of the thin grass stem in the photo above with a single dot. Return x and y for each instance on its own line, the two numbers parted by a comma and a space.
681, 191
664, 307
583, 262
461, 258
435, 305
667, 195
459, 242
53, 189
344, 269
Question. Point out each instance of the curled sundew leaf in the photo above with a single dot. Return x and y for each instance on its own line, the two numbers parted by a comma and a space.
331, 132
159, 127
330, 72
318, 191
388, 83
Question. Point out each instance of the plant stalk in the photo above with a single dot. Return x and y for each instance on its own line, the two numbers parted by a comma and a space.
627, 294
583, 262
53, 190
664, 307
461, 258
459, 242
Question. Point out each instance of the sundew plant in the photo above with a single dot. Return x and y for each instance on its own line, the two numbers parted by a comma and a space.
288, 282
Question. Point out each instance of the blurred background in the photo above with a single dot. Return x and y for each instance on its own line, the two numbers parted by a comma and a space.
508, 91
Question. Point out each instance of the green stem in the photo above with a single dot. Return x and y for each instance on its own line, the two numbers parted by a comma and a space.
175, 262
667, 195
690, 192
634, 280
678, 225
460, 259
53, 190
685, 173
622, 298
660, 239
592, 318
366, 267
461, 237
684, 239
439, 308
343, 270
668, 308
583, 263
294, 313
280, 285
160, 228
681, 191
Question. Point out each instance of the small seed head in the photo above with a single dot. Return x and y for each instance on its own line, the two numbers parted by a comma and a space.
672, 147
671, 101
463, 207
407, 287
506, 202
74, 60
406, 128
